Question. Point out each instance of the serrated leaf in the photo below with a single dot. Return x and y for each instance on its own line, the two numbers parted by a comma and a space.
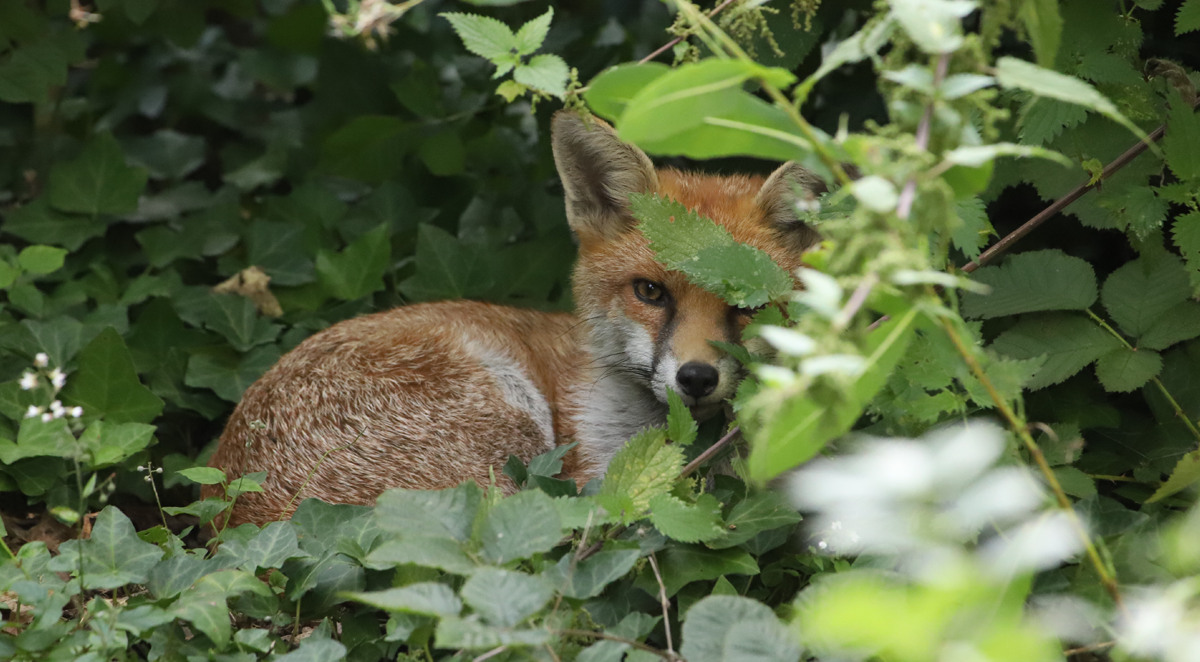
505, 598
1183, 134
972, 234
756, 513
1043, 119
438, 514
589, 577
1185, 474
1186, 236
113, 556
644, 468
1031, 282
681, 427
1123, 370
533, 33
1138, 293
681, 565
428, 598
1075, 483
546, 72
1070, 344
1187, 18
974, 156
686, 522
1180, 323
359, 269
520, 526
483, 35
97, 182
107, 384
442, 553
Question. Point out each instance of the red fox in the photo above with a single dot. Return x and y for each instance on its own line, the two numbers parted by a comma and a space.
428, 395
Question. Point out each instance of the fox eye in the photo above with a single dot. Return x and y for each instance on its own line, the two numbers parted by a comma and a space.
650, 292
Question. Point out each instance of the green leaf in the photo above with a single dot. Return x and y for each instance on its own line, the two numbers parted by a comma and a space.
432, 552
204, 510
520, 526
1070, 344
1031, 282
1186, 235
263, 171
1075, 483
444, 153
726, 628
644, 468
111, 443
315, 650
107, 384
505, 598
687, 522
550, 462
1043, 119
855, 48
41, 259
278, 249
935, 25
31, 70
1138, 293
230, 377
1123, 370
761, 511
972, 234
204, 604
1187, 18
436, 514
681, 565
589, 577
173, 575
1183, 134
1044, 25
707, 254
98, 182
681, 427
268, 548
1019, 74
454, 632
203, 475
546, 72
974, 156
1185, 474
236, 318
113, 556
38, 438
445, 268
428, 598
533, 33
358, 270
484, 36
610, 92
1180, 323
166, 154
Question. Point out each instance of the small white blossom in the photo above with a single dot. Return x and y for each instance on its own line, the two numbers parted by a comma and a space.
29, 381
823, 544
41, 360
33, 411
76, 412
58, 378
57, 408
141, 467
47, 417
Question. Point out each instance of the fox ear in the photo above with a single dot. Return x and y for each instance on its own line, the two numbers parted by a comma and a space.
598, 172
789, 184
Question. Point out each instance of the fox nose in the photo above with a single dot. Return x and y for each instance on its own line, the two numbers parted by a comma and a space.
697, 379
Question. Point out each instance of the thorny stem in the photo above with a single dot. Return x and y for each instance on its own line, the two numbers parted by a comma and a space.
1157, 382
662, 600
1022, 430
612, 637
909, 194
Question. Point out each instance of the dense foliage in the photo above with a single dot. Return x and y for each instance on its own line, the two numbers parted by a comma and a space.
190, 188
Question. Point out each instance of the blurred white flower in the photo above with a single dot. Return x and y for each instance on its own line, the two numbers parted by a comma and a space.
847, 364
788, 341
58, 378
775, 376
821, 292
28, 381
1159, 624
76, 412
47, 417
41, 360
33, 411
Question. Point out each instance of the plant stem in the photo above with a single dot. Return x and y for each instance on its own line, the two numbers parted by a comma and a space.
670, 44
1022, 431
662, 600
909, 194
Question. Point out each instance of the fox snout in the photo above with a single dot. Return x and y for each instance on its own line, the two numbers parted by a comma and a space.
697, 379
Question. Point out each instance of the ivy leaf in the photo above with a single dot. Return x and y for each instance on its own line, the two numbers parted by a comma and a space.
1123, 370
268, 548
1183, 134
230, 376
520, 526
681, 427
1070, 343
113, 556
644, 468
36, 222
358, 270
1187, 18
314, 650
1031, 282
278, 249
1176, 325
107, 384
445, 268
686, 522
110, 443
505, 598
31, 70
38, 438
1137, 294
548, 73
98, 182
587, 578
531, 35
427, 598
455, 632
236, 318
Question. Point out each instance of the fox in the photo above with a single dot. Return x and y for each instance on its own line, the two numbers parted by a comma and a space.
429, 395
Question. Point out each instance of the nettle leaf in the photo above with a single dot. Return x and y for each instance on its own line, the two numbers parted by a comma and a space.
98, 182
427, 598
1186, 235
485, 36
359, 269
707, 254
520, 526
1185, 474
1138, 293
589, 577
1123, 370
505, 598
1183, 134
687, 522
113, 556
1187, 18
681, 565
107, 383
1019, 74
756, 513
1070, 343
681, 427
726, 628
432, 513
548, 73
972, 234
644, 468
531, 35
1043, 119
1180, 323
1031, 282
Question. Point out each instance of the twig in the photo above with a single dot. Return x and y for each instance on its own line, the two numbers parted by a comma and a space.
671, 44
662, 600
612, 637
1089, 649
490, 654
909, 193
709, 452
842, 319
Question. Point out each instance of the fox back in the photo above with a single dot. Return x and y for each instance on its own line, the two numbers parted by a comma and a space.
430, 395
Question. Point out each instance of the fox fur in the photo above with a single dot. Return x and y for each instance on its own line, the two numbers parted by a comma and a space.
429, 395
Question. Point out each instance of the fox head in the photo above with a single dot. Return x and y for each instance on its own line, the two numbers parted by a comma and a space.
644, 321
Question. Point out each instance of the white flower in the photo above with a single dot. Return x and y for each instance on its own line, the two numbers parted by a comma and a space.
57, 408
58, 378
33, 411
47, 417
28, 381
41, 360
76, 412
